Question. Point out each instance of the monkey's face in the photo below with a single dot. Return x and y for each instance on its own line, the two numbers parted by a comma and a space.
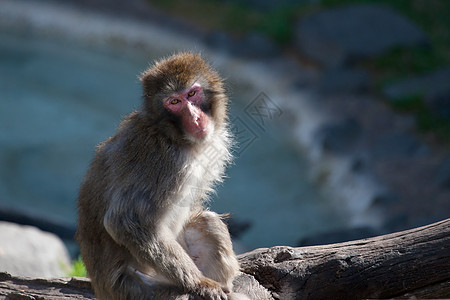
185, 97
190, 107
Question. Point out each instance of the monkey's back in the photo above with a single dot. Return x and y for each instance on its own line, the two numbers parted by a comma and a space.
128, 165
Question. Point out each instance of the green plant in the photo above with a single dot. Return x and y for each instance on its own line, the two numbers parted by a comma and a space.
78, 268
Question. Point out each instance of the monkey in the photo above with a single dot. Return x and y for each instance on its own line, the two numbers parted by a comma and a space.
143, 227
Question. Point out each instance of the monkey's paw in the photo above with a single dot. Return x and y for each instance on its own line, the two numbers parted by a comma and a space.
210, 290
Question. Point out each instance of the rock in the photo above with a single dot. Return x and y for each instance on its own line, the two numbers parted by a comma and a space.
398, 144
430, 84
385, 199
221, 41
359, 163
256, 45
348, 81
342, 35
251, 46
28, 251
64, 231
339, 137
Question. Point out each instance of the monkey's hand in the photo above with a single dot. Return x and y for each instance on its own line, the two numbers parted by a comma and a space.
211, 290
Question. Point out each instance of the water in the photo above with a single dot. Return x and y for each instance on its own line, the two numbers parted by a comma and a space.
58, 100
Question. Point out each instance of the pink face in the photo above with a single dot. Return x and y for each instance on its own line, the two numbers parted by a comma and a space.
186, 105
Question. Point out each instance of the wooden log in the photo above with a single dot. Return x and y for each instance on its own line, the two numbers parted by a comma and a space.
21, 288
408, 264
405, 264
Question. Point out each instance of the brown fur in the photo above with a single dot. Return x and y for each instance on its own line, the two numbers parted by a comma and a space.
136, 201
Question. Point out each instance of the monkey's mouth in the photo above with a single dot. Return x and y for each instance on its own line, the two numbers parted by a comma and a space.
201, 133
198, 127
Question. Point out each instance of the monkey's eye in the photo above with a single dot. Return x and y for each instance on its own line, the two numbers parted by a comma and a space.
191, 93
175, 101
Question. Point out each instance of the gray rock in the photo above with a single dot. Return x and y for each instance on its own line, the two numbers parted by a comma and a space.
28, 251
385, 199
398, 144
344, 81
341, 35
256, 45
339, 137
221, 41
251, 46
430, 84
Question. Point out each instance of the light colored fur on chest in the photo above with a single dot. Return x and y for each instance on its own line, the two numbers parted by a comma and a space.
192, 188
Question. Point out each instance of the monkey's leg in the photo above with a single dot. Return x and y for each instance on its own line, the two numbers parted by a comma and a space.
208, 243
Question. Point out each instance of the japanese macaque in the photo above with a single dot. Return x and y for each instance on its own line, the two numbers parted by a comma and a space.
142, 228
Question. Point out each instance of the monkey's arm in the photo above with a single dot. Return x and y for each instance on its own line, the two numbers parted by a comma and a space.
209, 244
155, 246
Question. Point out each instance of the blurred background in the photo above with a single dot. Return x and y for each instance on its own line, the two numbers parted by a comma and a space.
340, 109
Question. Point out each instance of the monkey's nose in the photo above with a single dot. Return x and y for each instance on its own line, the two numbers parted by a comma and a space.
195, 118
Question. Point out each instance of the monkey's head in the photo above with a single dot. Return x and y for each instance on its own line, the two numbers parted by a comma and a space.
185, 97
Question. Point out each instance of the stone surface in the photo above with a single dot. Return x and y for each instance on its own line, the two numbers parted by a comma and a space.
28, 251
339, 137
341, 35
255, 45
250, 46
398, 145
344, 81
429, 84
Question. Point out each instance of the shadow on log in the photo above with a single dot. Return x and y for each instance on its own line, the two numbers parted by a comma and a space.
413, 263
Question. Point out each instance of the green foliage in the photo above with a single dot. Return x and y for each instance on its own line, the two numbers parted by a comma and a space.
78, 268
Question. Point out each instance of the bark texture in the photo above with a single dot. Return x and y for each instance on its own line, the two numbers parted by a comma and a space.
404, 264
413, 263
